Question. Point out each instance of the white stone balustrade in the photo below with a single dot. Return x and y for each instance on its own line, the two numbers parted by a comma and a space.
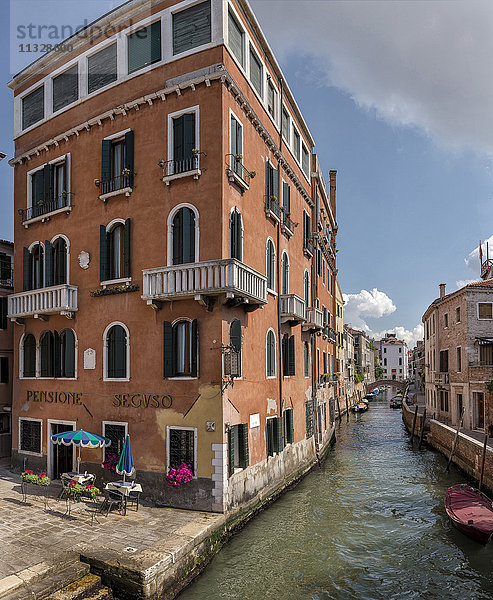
53, 300
292, 308
314, 318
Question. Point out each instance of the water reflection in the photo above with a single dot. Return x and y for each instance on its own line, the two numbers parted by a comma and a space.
368, 525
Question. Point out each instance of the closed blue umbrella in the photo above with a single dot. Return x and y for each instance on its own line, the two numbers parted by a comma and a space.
126, 465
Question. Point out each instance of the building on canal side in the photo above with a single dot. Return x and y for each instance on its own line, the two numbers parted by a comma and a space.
417, 364
458, 348
393, 355
6, 346
364, 356
349, 367
175, 255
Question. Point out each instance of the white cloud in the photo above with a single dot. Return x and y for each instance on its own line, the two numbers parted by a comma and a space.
409, 336
472, 260
463, 282
423, 64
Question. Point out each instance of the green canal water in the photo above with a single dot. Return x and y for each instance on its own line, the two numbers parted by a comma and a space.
368, 525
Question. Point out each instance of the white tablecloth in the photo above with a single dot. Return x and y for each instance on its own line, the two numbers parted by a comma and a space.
123, 488
81, 478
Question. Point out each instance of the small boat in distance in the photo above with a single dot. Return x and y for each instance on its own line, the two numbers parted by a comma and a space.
396, 402
360, 407
471, 512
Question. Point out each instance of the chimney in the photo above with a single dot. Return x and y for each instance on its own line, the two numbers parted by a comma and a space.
332, 192
442, 290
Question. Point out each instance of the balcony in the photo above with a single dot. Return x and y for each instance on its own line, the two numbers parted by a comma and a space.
292, 308
237, 173
42, 211
177, 169
287, 225
54, 300
116, 186
314, 318
228, 277
442, 379
272, 208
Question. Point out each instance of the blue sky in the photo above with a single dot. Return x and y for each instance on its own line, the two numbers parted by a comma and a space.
398, 98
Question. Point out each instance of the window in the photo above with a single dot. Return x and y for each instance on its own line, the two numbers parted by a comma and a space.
272, 189
49, 188
305, 160
288, 426
459, 360
235, 39
485, 310
384, 362
144, 47
307, 288
116, 353
271, 265
66, 88
457, 314
443, 361
459, 406
256, 72
400, 350
33, 107
4, 369
288, 357
385, 350
319, 262
29, 356
400, 361
47, 354
116, 432
236, 146
285, 120
4, 423
296, 144
235, 235
235, 346
306, 359
183, 237
30, 436
183, 143
238, 447
57, 354
486, 354
117, 164
274, 435
271, 354
114, 251
181, 447
6, 274
307, 230
3, 312
284, 273
479, 409
101, 68
58, 272
192, 27
271, 100
181, 349
445, 320
286, 206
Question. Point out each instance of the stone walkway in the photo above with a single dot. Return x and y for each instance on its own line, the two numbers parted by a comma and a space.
32, 538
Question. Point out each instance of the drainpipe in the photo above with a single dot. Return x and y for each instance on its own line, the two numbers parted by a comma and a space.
278, 262
315, 254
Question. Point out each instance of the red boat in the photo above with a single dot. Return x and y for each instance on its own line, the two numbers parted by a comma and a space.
471, 512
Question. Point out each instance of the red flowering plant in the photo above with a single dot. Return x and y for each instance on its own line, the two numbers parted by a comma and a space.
110, 462
91, 490
178, 476
35, 479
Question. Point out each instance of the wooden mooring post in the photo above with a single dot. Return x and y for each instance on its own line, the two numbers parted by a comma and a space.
483, 459
422, 429
414, 423
459, 425
338, 407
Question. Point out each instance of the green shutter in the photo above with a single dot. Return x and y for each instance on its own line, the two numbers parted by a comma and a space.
129, 156
178, 238
278, 434
57, 355
61, 264
243, 449
269, 436
188, 242
235, 335
46, 345
103, 253
3, 312
48, 183
168, 351
268, 191
126, 250
178, 149
291, 357
106, 160
38, 190
27, 267
144, 47
195, 349
188, 134
276, 175
285, 356
29, 356
49, 273
117, 352
192, 27
33, 106
68, 369
65, 88
288, 426
235, 38
231, 451
102, 68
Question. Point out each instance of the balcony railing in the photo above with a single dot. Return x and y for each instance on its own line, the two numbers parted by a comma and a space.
292, 308
7, 277
237, 172
314, 318
57, 299
272, 208
175, 169
209, 278
287, 223
442, 378
43, 208
116, 184
486, 266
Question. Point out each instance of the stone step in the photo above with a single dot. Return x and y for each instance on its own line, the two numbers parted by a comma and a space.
44, 588
88, 587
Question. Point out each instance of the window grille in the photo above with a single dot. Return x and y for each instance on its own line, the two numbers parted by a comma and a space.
30, 436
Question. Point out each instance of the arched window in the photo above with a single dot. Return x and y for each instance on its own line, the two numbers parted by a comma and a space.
183, 234
115, 248
47, 354
37, 273
271, 353
235, 343
29, 356
271, 265
66, 352
116, 351
307, 289
236, 235
181, 348
284, 273
59, 261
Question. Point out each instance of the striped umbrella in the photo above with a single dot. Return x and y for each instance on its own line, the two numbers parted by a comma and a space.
126, 465
80, 438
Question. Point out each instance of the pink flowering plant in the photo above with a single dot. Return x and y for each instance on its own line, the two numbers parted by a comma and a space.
110, 462
178, 476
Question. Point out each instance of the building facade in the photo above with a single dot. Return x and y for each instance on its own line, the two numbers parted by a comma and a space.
175, 255
393, 354
458, 350
6, 346
349, 371
364, 356
416, 364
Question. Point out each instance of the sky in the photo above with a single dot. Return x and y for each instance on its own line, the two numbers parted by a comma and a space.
398, 97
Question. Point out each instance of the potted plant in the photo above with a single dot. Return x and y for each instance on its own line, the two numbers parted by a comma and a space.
35, 479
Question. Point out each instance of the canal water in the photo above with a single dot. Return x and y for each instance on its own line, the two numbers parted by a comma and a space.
369, 524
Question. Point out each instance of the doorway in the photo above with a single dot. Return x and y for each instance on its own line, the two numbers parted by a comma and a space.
478, 398
61, 458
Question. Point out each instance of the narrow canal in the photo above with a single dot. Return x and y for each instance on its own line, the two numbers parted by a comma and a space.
368, 525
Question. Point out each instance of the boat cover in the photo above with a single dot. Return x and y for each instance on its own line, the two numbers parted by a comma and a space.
467, 504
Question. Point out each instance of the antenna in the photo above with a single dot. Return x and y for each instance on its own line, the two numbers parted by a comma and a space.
480, 253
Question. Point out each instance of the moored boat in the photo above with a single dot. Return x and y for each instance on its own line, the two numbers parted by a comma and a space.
471, 512
396, 402
360, 406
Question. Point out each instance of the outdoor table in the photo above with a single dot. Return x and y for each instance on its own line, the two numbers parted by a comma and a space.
124, 488
81, 478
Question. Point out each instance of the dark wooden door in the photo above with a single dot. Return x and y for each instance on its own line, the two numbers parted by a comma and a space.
63, 456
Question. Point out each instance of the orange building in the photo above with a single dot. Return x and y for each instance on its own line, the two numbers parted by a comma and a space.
6, 347
175, 255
